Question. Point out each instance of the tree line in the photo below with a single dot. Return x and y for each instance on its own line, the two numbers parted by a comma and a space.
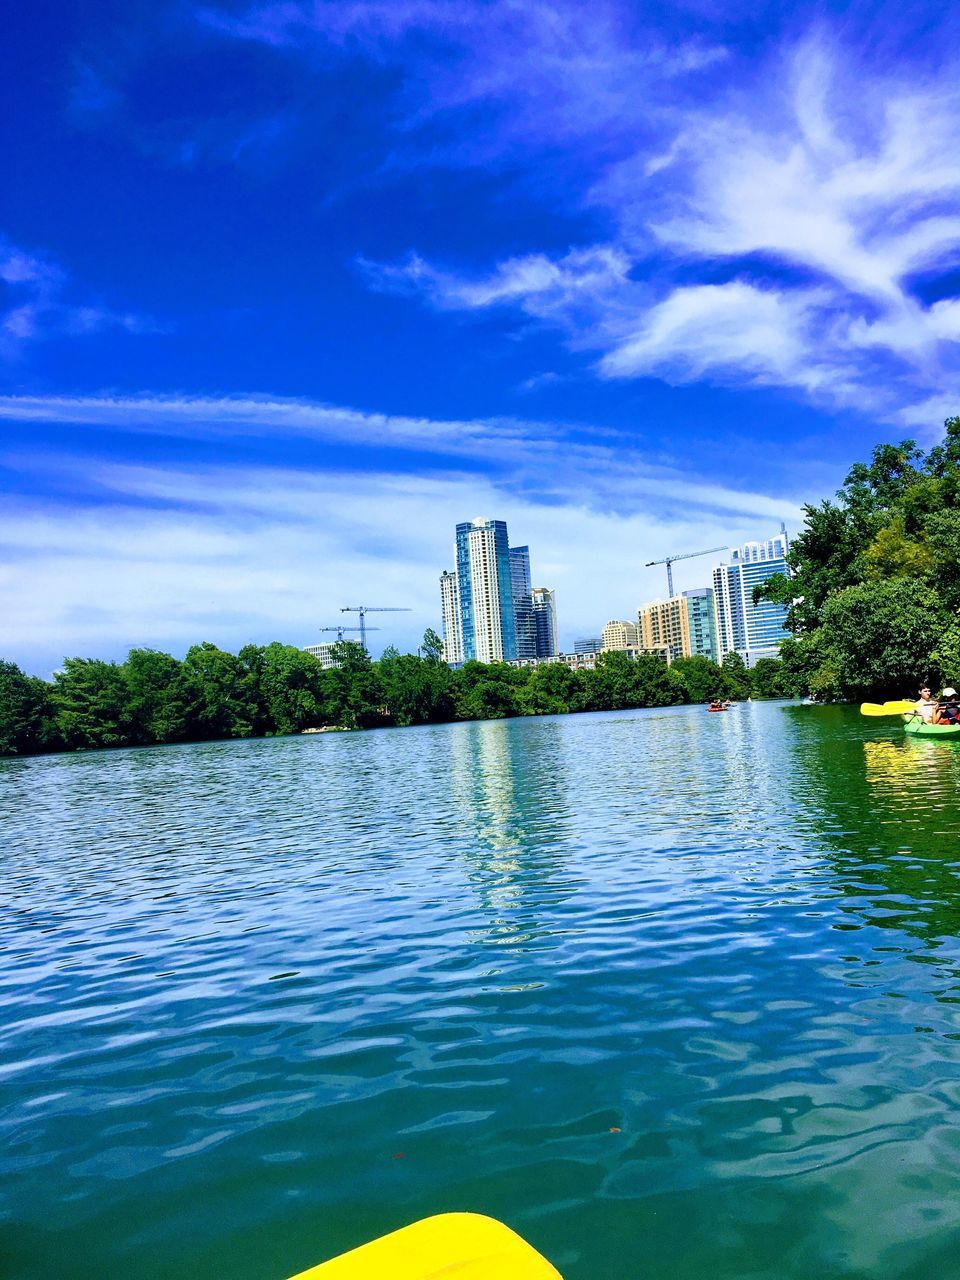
272, 689
874, 591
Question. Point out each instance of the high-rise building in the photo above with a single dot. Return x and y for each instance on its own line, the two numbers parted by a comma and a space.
522, 592
753, 630
487, 628
588, 644
665, 625
450, 604
701, 624
545, 621
620, 635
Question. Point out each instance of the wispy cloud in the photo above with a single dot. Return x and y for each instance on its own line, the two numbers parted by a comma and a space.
165, 556
560, 69
821, 187
607, 469
36, 303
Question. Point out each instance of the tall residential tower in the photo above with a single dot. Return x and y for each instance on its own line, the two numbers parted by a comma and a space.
490, 611
753, 630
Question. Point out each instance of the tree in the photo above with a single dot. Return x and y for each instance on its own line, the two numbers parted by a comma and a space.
703, 680
416, 690
155, 702
292, 688
26, 713
216, 689
432, 646
91, 700
736, 676
768, 679
881, 635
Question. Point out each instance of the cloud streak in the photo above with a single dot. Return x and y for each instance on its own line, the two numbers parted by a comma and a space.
167, 556
35, 304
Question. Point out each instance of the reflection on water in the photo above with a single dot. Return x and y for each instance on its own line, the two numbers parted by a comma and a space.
510, 793
676, 994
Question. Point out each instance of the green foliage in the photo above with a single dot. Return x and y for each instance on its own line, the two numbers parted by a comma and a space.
277, 689
875, 590
26, 713
703, 680
91, 701
219, 692
432, 646
736, 676
156, 709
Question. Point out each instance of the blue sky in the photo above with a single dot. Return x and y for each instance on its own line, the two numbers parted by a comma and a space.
287, 289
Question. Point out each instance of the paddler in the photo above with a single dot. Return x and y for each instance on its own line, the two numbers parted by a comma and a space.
926, 707
948, 708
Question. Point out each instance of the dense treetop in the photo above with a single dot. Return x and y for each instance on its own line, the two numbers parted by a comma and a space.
875, 589
276, 689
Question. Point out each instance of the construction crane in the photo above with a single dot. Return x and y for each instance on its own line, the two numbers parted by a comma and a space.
688, 555
364, 609
341, 629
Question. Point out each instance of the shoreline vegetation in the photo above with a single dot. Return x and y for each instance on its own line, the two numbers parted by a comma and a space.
276, 690
874, 612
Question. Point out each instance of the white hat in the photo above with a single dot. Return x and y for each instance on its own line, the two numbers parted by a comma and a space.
949, 693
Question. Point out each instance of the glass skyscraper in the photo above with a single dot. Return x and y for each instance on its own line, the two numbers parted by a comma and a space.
753, 630
485, 588
490, 611
545, 621
522, 592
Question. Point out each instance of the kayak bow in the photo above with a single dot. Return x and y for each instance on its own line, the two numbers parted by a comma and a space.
466, 1245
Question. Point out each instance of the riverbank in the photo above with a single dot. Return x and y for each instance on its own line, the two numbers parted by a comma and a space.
275, 690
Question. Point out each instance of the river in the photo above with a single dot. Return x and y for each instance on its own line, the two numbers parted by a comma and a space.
675, 995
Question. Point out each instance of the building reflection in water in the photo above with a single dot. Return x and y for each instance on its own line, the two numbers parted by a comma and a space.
509, 784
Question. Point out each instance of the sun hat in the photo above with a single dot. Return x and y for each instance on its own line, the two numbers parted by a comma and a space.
949, 693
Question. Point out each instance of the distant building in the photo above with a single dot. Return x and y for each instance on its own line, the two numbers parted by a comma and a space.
450, 604
664, 624
753, 630
585, 661
523, 620
683, 625
487, 626
701, 622
545, 621
323, 653
488, 606
589, 644
621, 635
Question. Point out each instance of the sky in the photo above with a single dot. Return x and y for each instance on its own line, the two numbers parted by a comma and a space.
288, 289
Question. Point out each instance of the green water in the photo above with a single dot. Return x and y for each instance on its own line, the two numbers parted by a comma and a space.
675, 995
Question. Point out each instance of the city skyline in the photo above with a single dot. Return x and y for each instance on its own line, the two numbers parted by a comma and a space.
276, 280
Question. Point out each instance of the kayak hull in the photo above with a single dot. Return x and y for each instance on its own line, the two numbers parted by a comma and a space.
914, 727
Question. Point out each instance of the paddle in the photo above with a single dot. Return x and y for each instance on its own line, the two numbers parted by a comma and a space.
466, 1245
888, 708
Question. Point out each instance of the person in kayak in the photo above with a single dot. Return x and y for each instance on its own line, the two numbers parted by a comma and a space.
948, 708
926, 708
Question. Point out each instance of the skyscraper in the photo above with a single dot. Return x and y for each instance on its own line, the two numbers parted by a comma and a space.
753, 630
450, 603
487, 628
545, 621
701, 624
522, 592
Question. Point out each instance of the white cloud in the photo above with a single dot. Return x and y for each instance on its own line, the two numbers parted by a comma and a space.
38, 305
606, 468
826, 185
166, 558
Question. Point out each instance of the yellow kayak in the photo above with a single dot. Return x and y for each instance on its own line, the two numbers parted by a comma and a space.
450, 1246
